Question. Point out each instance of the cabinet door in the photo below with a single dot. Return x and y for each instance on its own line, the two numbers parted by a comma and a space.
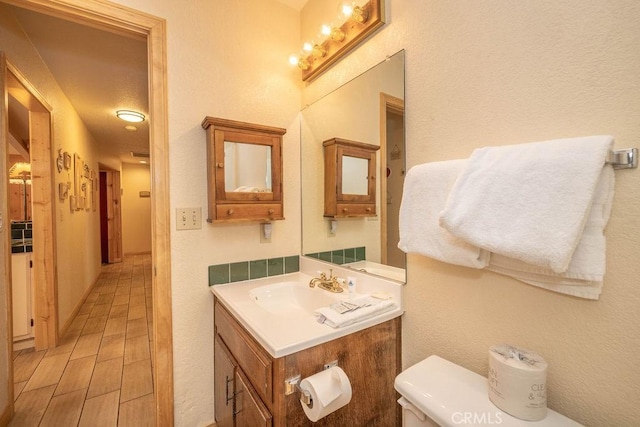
224, 385
250, 411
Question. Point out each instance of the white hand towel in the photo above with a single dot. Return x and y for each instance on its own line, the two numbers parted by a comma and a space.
334, 319
585, 275
529, 201
425, 192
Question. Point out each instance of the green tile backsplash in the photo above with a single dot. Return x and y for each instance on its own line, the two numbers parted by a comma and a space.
341, 256
238, 271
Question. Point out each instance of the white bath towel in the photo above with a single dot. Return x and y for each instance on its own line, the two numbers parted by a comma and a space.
529, 201
426, 188
585, 275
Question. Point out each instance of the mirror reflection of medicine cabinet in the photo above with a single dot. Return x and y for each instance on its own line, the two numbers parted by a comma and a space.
349, 178
244, 171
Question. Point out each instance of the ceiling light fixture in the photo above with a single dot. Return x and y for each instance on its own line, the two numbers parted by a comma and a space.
130, 116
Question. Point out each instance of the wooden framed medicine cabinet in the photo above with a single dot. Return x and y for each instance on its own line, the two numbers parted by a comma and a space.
244, 171
349, 178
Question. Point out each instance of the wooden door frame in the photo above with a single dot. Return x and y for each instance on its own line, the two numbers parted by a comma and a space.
132, 23
388, 103
5, 269
45, 309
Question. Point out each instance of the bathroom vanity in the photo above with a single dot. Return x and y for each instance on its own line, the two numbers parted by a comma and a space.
254, 357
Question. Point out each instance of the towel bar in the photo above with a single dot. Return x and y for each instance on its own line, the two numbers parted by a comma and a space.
623, 159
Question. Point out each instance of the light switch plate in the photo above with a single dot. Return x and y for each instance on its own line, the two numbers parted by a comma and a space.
188, 218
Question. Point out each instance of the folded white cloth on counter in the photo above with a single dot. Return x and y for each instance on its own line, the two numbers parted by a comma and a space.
585, 274
359, 309
529, 202
426, 188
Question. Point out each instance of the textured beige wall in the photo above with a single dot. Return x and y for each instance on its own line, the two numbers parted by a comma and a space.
498, 72
226, 59
136, 210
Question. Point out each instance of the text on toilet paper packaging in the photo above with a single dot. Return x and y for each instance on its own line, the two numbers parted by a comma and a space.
537, 395
477, 418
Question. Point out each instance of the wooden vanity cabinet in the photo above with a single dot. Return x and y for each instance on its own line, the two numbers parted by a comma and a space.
244, 171
349, 178
250, 384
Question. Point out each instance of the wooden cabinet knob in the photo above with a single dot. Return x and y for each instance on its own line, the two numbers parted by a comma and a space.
271, 211
230, 212
368, 209
220, 165
345, 209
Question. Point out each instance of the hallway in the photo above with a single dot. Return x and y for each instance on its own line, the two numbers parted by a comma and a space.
100, 374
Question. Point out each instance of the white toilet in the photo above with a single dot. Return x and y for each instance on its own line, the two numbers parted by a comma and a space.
436, 392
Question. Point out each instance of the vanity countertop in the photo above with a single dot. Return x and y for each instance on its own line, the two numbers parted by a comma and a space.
285, 333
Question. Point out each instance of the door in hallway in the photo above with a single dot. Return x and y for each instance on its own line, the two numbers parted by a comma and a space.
110, 217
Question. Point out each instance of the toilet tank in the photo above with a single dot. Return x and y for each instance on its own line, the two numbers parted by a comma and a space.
436, 392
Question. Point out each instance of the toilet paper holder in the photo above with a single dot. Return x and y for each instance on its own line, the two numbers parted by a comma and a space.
292, 384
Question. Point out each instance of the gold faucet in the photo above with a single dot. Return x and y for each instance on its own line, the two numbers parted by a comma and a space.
330, 283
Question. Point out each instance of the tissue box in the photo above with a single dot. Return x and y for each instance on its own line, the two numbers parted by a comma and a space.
517, 382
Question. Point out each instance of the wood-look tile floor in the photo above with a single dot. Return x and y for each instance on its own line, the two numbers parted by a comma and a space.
100, 373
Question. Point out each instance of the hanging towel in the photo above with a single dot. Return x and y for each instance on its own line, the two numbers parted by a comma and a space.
529, 202
425, 192
585, 274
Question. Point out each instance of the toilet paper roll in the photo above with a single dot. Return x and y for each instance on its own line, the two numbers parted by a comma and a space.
330, 390
517, 382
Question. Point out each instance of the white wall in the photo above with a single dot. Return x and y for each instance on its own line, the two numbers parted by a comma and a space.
499, 72
136, 210
77, 232
229, 60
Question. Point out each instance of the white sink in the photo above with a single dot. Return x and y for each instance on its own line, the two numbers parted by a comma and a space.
278, 310
286, 298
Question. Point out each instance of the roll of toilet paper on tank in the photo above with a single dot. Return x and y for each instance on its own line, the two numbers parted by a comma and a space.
330, 390
518, 382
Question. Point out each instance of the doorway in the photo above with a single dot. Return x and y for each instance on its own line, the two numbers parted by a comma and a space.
392, 171
36, 129
110, 217
116, 18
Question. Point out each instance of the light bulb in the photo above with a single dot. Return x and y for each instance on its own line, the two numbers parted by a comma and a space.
346, 9
307, 47
325, 30
293, 60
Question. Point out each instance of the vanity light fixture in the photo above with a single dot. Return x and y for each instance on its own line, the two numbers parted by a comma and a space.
130, 116
354, 23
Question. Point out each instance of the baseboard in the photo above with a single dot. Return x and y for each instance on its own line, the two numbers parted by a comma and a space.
77, 308
6, 416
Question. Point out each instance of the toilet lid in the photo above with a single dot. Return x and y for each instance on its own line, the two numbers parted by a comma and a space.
451, 396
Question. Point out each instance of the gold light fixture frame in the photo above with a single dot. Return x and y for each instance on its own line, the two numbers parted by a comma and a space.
354, 34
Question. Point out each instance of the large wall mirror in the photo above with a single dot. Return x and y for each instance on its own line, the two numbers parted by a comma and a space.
370, 109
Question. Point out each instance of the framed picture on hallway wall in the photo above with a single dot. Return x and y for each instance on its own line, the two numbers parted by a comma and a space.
67, 160
78, 169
